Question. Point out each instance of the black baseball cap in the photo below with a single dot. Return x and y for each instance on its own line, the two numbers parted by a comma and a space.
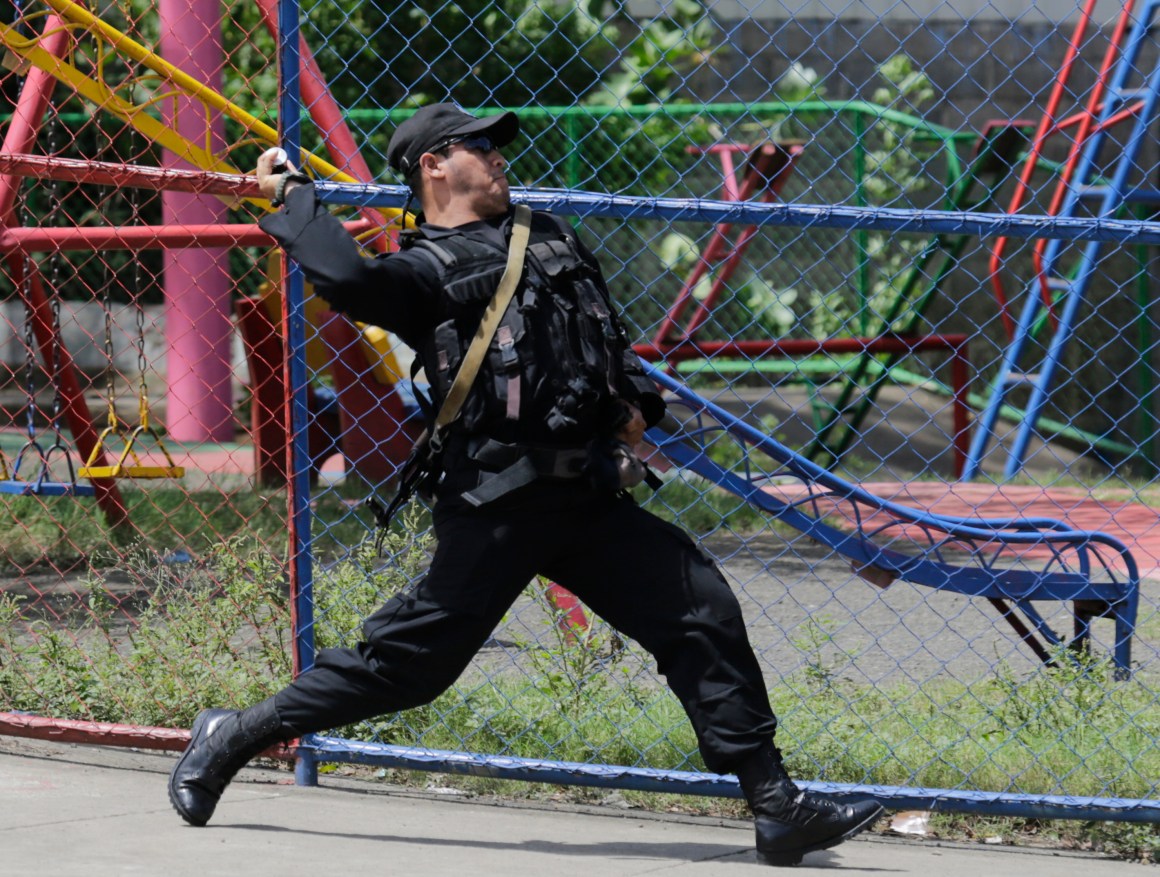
438, 123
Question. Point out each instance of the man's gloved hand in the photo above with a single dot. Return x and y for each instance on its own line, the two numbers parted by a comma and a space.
276, 175
630, 428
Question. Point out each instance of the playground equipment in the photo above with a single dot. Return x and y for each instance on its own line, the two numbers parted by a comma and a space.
114, 431
151, 80
366, 419
1047, 127
1064, 275
34, 104
764, 174
53, 58
767, 168
974, 189
33, 454
884, 541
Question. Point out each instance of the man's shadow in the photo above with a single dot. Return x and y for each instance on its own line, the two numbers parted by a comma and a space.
677, 851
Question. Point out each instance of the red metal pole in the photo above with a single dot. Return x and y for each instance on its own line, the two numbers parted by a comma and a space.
328, 118
958, 345
759, 159
117, 174
108, 734
141, 237
1075, 153
797, 347
960, 383
1046, 127
718, 242
135, 238
720, 246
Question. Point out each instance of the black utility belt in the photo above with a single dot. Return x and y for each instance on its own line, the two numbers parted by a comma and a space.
551, 462
504, 467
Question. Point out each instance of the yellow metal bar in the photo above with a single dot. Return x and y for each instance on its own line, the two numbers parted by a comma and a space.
100, 94
125, 44
104, 97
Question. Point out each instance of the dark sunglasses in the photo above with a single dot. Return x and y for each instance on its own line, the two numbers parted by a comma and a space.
478, 143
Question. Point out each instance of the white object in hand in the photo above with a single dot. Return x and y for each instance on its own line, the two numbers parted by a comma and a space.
277, 156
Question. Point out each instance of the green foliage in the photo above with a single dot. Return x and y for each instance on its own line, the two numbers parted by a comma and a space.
158, 641
577, 665
895, 173
662, 53
163, 641
347, 591
61, 534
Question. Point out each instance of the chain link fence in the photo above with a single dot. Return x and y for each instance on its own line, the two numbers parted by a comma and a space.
897, 258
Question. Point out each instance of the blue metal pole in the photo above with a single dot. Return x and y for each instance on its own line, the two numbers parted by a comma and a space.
795, 215
301, 575
333, 749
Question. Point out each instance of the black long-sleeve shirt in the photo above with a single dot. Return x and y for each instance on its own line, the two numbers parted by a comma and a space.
398, 291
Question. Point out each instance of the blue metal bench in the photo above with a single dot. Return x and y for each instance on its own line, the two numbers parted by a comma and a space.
973, 556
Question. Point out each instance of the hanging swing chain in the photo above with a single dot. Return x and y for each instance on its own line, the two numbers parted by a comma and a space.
54, 201
29, 341
135, 296
107, 309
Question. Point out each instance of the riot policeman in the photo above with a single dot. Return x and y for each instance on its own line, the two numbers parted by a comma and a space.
520, 483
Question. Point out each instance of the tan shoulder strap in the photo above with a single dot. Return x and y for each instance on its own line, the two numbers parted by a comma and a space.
465, 377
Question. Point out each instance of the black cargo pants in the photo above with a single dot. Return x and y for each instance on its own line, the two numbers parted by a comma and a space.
642, 575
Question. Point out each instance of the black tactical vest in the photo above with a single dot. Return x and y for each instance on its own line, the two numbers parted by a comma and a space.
554, 367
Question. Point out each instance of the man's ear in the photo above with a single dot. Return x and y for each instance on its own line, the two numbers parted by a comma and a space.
432, 165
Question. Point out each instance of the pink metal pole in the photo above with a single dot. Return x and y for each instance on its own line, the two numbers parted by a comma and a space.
197, 281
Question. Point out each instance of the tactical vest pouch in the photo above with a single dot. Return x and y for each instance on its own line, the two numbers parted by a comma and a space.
555, 258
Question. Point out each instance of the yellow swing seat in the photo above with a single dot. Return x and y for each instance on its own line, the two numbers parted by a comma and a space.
122, 468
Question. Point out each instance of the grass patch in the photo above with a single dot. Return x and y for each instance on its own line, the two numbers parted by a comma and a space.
64, 534
175, 639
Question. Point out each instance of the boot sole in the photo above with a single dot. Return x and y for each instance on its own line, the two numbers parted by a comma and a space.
794, 857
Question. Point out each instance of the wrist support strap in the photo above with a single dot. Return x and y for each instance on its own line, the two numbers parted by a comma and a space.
280, 188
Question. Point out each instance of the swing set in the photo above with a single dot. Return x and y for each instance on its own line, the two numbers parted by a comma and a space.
33, 452
38, 467
129, 463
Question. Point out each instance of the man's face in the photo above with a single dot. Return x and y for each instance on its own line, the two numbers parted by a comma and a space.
476, 172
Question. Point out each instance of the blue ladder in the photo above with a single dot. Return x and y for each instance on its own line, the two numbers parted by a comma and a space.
1069, 287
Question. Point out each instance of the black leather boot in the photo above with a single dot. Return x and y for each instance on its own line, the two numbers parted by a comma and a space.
790, 822
220, 744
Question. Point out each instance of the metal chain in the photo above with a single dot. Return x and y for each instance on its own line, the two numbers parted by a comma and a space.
54, 276
135, 296
106, 307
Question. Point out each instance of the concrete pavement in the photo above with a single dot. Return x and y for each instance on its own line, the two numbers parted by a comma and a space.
80, 810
